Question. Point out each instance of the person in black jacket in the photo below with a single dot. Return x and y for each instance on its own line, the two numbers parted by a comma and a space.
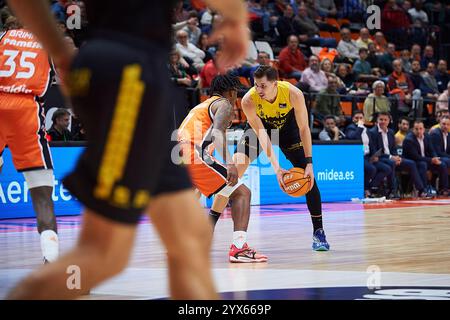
384, 140
418, 147
374, 170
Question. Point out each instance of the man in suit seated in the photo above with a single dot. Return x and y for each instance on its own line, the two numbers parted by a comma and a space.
374, 170
383, 138
441, 140
418, 147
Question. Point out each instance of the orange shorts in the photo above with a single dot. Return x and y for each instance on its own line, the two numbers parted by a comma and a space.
208, 175
22, 129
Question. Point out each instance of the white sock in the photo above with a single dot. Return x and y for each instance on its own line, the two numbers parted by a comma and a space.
239, 238
49, 245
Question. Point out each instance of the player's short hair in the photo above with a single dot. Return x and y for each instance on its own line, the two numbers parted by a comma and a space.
223, 83
266, 71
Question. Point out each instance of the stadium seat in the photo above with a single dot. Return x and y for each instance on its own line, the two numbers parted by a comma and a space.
333, 22
252, 51
325, 34
355, 35
346, 107
264, 46
336, 36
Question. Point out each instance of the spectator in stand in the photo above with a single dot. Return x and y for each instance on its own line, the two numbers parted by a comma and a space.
346, 75
417, 14
326, 8
430, 88
416, 52
439, 115
203, 44
428, 56
387, 59
376, 102
313, 76
328, 67
189, 50
59, 9
416, 75
179, 13
59, 130
248, 71
328, 102
406, 60
380, 42
418, 147
330, 131
292, 60
400, 85
362, 68
364, 38
177, 70
192, 28
206, 20
442, 76
286, 24
443, 100
347, 47
394, 22
209, 71
373, 57
403, 130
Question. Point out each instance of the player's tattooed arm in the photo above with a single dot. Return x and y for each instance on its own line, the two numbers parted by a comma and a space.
223, 115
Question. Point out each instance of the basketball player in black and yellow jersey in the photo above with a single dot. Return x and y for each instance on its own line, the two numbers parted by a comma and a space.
120, 89
277, 108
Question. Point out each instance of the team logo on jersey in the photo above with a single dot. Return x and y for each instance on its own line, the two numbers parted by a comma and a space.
283, 105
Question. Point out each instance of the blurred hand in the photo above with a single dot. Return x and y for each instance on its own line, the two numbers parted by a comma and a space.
232, 175
436, 161
280, 173
233, 38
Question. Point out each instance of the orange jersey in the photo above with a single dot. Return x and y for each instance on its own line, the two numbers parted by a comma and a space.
207, 174
197, 126
25, 67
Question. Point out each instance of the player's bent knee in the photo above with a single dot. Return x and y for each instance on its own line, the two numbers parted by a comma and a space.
39, 178
241, 192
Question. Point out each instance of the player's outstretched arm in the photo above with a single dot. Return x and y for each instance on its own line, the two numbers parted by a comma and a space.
301, 116
232, 33
35, 15
255, 122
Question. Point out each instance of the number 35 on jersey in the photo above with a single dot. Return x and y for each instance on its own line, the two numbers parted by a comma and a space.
25, 67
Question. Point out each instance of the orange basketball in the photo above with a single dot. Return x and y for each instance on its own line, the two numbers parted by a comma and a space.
296, 184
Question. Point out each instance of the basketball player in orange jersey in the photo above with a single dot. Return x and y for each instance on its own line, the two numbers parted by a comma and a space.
25, 75
202, 131
277, 105
121, 91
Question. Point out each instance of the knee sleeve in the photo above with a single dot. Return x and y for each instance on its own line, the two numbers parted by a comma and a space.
39, 178
313, 200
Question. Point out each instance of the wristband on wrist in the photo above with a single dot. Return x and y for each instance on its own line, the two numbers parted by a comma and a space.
308, 160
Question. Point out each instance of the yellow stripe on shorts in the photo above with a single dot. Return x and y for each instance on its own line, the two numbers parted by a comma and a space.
121, 133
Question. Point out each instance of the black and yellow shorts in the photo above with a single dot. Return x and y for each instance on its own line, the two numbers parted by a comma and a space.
122, 94
287, 138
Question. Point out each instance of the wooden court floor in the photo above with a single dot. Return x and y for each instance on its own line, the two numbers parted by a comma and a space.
396, 250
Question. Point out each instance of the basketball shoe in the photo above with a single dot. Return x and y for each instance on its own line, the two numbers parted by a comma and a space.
320, 241
245, 255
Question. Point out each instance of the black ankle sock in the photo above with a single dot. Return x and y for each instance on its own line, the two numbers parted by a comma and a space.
317, 222
214, 216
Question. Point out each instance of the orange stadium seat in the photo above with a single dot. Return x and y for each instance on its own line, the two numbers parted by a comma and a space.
346, 107
245, 82
325, 34
337, 36
333, 22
